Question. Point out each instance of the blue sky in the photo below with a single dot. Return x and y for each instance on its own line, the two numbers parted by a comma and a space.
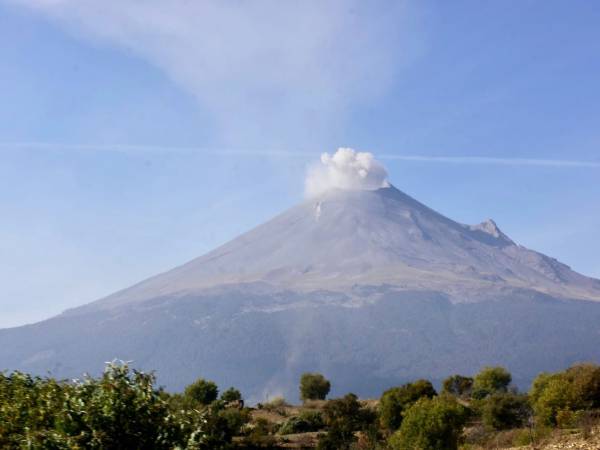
136, 136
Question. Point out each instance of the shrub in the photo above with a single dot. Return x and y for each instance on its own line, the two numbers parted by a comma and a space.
458, 385
259, 436
343, 417
431, 424
584, 380
576, 389
502, 411
231, 395
201, 392
314, 386
219, 426
234, 419
396, 400
303, 423
121, 409
491, 380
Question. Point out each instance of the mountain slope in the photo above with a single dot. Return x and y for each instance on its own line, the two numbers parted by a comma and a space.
344, 238
371, 287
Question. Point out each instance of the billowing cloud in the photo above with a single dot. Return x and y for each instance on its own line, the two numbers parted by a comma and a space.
345, 169
267, 71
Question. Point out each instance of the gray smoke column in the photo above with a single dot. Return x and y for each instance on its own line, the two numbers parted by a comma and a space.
345, 169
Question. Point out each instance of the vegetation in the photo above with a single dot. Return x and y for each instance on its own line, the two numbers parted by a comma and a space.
395, 401
201, 392
304, 422
432, 424
314, 386
559, 398
491, 380
231, 395
505, 410
344, 417
121, 409
458, 386
124, 409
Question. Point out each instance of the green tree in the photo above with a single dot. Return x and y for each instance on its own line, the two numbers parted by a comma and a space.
584, 380
395, 401
314, 386
491, 380
458, 385
563, 393
431, 424
121, 409
231, 395
505, 410
201, 392
343, 417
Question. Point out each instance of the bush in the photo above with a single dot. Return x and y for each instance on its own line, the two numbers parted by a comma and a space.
491, 380
231, 395
431, 424
503, 411
303, 423
555, 396
201, 392
343, 417
121, 409
396, 400
458, 385
584, 380
314, 386
234, 419
259, 436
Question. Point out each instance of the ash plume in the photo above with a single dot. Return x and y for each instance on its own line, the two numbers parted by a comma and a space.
345, 169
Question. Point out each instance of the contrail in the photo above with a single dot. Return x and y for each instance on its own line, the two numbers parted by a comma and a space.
252, 152
149, 149
492, 160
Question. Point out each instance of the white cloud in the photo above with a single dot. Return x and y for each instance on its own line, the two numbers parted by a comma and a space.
266, 69
345, 169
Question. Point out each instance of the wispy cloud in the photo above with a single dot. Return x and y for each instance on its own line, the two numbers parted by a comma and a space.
151, 149
562, 163
296, 153
267, 70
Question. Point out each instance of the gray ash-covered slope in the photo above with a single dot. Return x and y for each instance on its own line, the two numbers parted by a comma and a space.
370, 287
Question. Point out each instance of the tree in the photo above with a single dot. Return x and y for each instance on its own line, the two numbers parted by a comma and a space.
491, 380
505, 410
231, 395
584, 380
431, 424
314, 386
458, 385
563, 393
121, 409
201, 392
343, 417
396, 400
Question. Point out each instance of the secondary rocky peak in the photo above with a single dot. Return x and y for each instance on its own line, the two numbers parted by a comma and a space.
490, 227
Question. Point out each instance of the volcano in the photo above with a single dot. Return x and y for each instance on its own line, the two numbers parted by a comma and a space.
370, 287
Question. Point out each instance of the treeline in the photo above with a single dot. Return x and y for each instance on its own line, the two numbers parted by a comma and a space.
123, 409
